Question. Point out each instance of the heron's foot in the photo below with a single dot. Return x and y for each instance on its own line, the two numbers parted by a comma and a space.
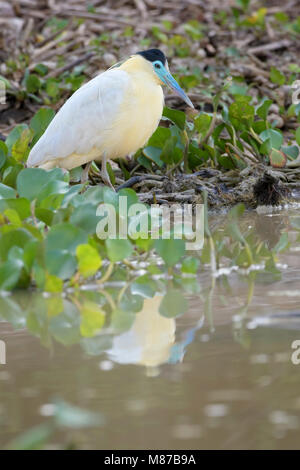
85, 173
105, 177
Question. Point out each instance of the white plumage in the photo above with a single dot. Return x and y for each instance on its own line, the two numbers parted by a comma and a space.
110, 117
149, 340
84, 120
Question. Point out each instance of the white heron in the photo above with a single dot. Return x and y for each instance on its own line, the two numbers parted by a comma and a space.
111, 116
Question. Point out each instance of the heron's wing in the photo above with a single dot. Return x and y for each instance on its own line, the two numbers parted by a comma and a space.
80, 124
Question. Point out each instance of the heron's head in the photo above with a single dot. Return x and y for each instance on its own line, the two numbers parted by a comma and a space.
159, 66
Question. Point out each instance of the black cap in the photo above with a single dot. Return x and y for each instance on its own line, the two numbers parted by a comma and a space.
153, 54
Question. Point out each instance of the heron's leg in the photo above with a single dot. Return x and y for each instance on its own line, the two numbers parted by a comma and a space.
85, 173
104, 173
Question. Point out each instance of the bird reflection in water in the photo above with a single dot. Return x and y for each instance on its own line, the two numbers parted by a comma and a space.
151, 341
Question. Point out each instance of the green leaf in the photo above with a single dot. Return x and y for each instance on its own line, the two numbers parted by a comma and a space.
298, 135
10, 173
226, 162
18, 237
9, 274
30, 254
274, 137
262, 110
4, 82
194, 29
84, 216
190, 265
66, 237
3, 153
89, 260
111, 197
168, 25
131, 303
33, 181
244, 4
168, 151
196, 156
145, 162
144, 286
14, 135
111, 173
16, 254
159, 35
118, 250
60, 263
202, 123
154, 153
276, 76
159, 137
92, 319
235, 233
282, 244
32, 83
6, 192
52, 87
41, 121
291, 151
53, 284
173, 304
241, 112
176, 116
130, 195
258, 127
41, 69
52, 202
282, 17
277, 158
20, 148
65, 327
170, 250
294, 68
45, 215
94, 195
20, 205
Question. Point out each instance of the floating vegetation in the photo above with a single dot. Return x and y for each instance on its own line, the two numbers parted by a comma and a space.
49, 238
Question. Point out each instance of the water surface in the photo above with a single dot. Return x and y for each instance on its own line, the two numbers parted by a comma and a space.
218, 377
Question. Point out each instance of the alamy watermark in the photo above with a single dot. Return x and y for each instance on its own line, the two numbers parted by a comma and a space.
296, 93
2, 92
142, 221
2, 353
295, 357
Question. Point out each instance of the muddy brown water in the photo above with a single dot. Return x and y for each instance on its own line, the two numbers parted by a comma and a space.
219, 381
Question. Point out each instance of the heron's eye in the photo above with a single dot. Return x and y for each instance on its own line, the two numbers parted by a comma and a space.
157, 66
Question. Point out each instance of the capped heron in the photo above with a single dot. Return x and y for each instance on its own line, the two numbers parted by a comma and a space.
111, 116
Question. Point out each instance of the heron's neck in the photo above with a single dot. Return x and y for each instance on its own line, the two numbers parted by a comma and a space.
138, 66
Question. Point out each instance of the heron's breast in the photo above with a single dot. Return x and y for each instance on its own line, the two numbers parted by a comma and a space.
138, 117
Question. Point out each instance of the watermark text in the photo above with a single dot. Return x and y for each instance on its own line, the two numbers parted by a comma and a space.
295, 358
156, 221
2, 352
